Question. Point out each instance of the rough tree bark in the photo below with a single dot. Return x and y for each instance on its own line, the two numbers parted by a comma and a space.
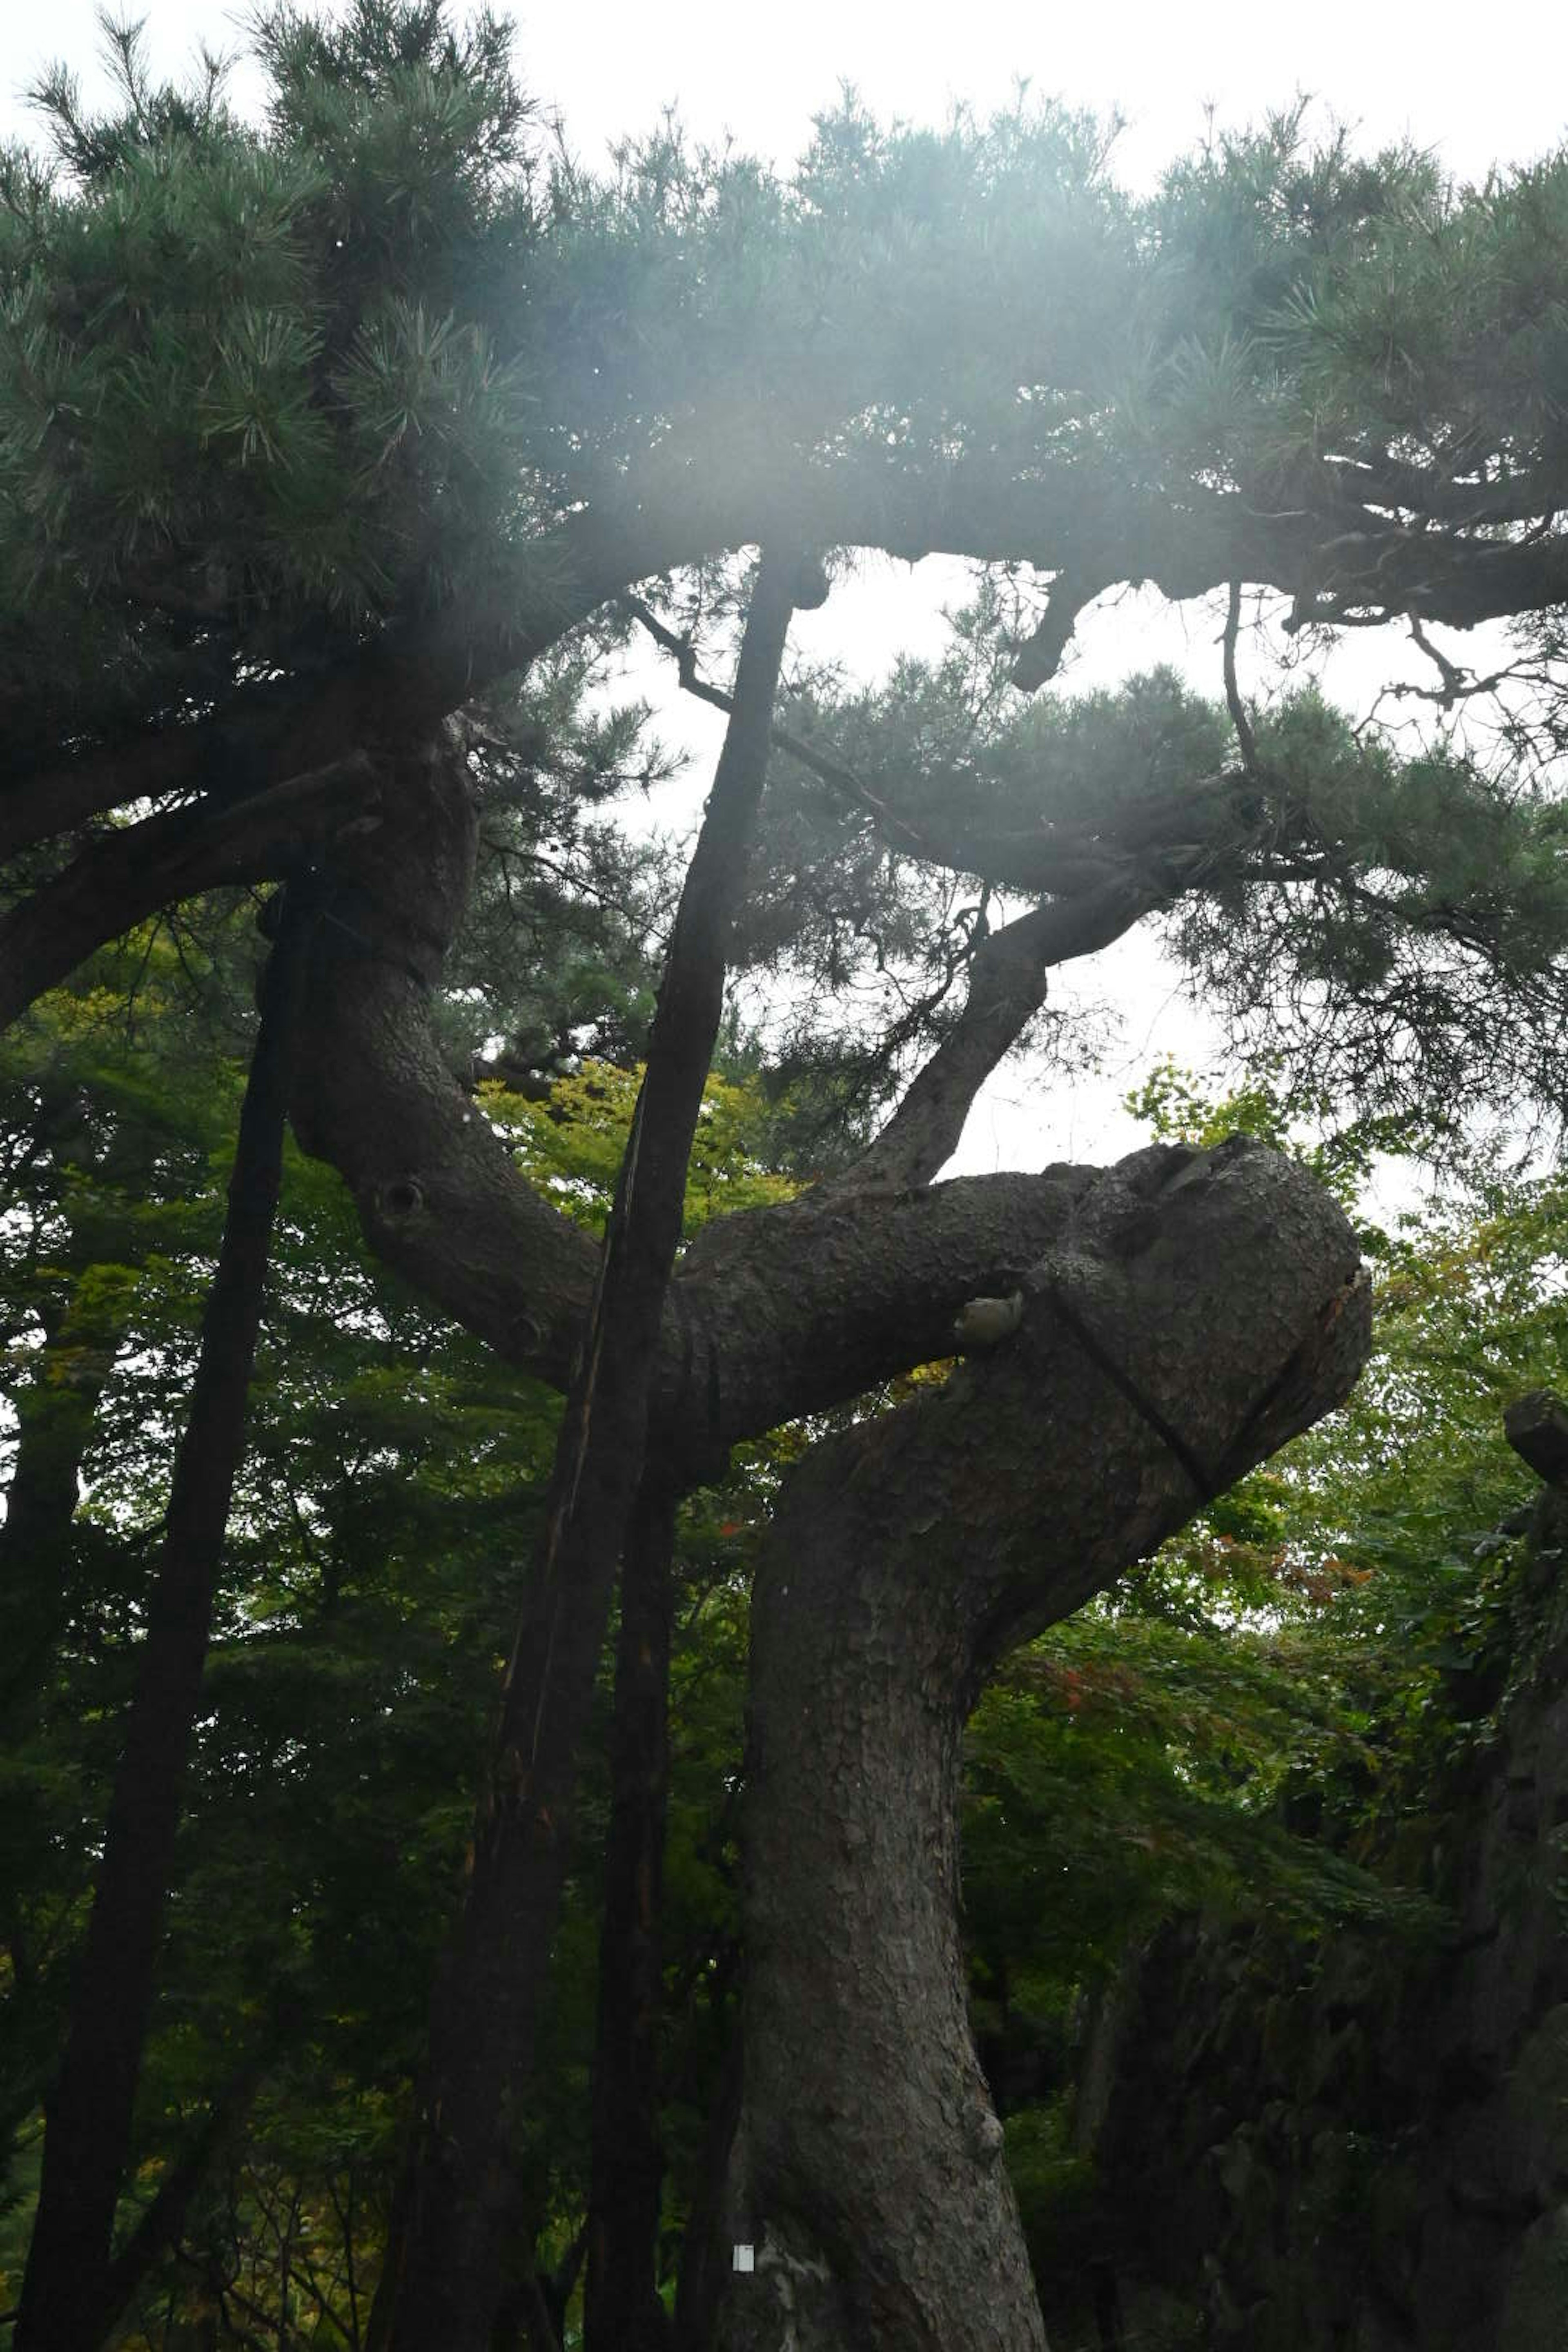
453, 2250
1200, 1309
68, 2290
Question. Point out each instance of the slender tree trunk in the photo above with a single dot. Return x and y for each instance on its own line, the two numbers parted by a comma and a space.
83, 1325
622, 2312
1203, 1309
66, 2295
706, 2248
54, 1411
458, 2222
159, 2226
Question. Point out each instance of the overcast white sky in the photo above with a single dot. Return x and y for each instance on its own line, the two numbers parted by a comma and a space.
1495, 94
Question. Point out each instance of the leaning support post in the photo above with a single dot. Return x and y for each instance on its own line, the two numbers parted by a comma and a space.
454, 2240
621, 2311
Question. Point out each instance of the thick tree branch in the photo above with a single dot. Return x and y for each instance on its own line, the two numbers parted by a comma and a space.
1358, 483
398, 688
132, 873
1007, 987
772, 1313
790, 1310
38, 808
697, 497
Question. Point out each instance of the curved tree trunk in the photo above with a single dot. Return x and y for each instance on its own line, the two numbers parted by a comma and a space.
867, 2173
1203, 1308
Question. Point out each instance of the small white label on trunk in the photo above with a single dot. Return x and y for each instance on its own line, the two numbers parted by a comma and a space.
745, 2258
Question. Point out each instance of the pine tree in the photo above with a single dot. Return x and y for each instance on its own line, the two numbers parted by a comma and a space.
315, 438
